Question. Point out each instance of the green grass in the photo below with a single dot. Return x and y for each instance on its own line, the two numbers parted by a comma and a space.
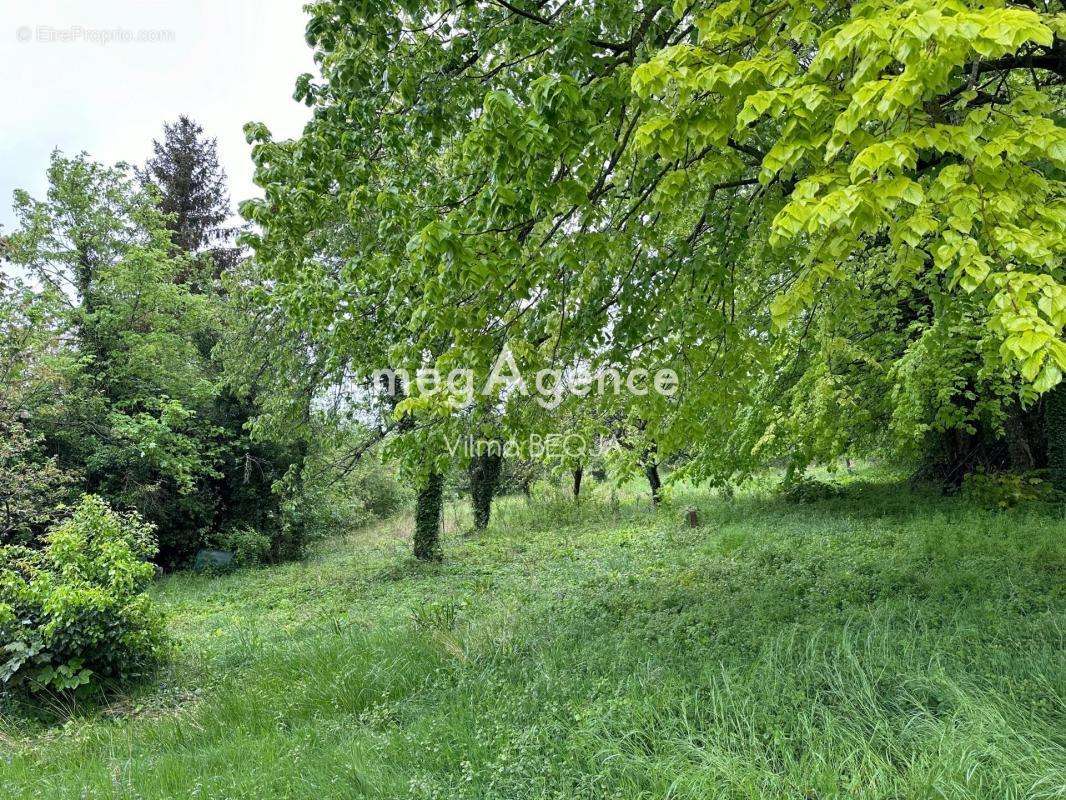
881, 644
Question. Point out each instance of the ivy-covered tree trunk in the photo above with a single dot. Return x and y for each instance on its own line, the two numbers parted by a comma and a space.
428, 512
1021, 454
651, 470
484, 478
1055, 435
578, 475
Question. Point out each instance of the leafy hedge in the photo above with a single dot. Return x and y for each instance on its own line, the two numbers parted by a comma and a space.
75, 616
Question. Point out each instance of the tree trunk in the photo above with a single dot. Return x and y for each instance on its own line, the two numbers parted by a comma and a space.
1055, 435
652, 471
1021, 455
428, 518
578, 474
484, 478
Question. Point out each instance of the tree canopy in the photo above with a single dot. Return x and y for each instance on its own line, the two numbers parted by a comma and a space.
803, 208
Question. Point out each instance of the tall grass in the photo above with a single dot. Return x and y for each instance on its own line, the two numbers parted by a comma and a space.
882, 644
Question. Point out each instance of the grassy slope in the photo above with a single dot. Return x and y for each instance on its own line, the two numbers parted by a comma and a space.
880, 645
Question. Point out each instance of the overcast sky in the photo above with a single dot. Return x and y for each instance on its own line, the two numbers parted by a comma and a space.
222, 62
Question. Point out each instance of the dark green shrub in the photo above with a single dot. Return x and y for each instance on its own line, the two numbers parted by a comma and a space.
380, 491
33, 488
251, 473
1004, 489
75, 616
250, 547
809, 490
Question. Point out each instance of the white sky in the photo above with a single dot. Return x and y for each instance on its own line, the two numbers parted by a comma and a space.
228, 62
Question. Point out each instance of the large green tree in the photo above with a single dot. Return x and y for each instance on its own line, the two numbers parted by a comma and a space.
801, 208
133, 378
123, 387
191, 188
920, 150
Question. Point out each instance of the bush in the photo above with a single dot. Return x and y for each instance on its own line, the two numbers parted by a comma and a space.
518, 476
325, 503
808, 490
380, 491
75, 616
250, 548
1004, 489
33, 488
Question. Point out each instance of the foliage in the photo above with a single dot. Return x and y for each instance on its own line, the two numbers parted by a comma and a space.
191, 186
126, 421
32, 363
925, 122
790, 205
1055, 427
518, 476
249, 547
75, 616
335, 493
125, 389
808, 490
33, 487
348, 254
918, 152
379, 490
1004, 489
249, 488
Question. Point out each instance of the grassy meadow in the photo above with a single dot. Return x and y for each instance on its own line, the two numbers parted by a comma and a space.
885, 643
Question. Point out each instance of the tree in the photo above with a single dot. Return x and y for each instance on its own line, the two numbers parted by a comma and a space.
142, 411
327, 279
429, 508
925, 129
485, 165
191, 186
134, 379
919, 156
313, 381
33, 361
485, 468
790, 206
